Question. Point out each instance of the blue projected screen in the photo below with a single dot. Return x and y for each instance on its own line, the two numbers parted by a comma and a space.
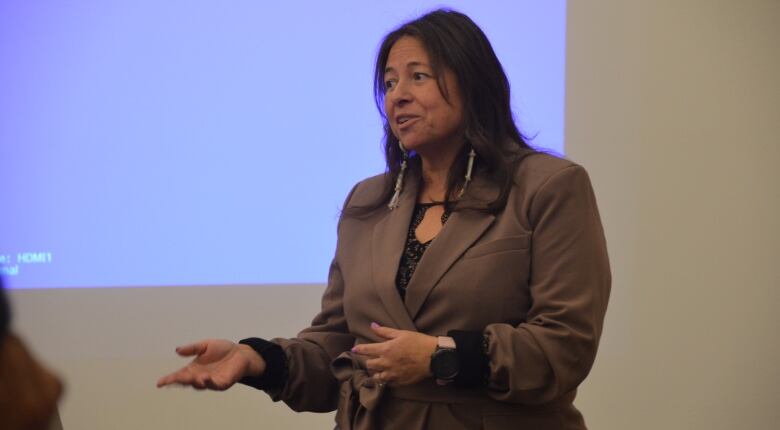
157, 143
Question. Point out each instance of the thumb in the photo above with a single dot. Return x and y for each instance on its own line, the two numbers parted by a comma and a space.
385, 332
196, 348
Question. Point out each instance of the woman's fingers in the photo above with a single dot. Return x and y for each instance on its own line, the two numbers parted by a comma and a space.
381, 371
197, 377
196, 348
386, 332
219, 377
220, 382
373, 349
201, 381
166, 380
376, 364
384, 377
184, 376
212, 384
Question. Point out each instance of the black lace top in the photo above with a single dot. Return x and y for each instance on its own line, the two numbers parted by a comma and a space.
414, 250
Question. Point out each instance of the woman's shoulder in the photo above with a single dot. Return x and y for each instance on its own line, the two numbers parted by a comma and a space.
543, 177
543, 164
539, 168
367, 191
373, 182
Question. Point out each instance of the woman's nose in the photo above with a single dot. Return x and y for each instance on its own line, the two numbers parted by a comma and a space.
400, 94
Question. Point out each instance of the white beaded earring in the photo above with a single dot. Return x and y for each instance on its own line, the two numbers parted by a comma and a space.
469, 168
399, 182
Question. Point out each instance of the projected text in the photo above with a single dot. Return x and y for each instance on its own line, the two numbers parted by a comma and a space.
13, 264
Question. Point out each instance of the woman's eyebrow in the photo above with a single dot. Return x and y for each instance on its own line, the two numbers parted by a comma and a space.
409, 65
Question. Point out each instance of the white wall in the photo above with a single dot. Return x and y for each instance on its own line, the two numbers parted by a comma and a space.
674, 108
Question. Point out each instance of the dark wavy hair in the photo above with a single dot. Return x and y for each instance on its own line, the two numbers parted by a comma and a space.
453, 41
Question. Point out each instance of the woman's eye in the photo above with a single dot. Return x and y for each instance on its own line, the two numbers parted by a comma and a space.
389, 84
419, 76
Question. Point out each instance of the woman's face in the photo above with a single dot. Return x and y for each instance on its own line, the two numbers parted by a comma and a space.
418, 114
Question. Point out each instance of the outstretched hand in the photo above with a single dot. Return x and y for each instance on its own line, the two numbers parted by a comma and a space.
218, 364
403, 359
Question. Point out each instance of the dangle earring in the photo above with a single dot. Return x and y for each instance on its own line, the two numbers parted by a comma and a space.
469, 168
399, 182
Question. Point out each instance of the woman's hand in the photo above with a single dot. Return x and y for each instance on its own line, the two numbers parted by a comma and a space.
217, 366
403, 359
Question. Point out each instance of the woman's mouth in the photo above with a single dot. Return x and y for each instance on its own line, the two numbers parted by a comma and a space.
405, 121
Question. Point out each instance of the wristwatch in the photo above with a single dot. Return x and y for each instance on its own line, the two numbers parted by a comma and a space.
444, 361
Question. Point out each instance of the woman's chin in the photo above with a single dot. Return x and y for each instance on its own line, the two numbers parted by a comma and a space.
414, 144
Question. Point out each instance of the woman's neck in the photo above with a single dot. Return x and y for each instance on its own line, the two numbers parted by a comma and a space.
435, 172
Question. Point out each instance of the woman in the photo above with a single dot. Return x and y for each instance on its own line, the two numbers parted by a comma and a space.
470, 281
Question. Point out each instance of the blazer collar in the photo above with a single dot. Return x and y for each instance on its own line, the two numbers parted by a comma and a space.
387, 245
462, 229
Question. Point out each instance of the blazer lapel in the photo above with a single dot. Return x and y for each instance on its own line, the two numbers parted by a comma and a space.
462, 229
387, 245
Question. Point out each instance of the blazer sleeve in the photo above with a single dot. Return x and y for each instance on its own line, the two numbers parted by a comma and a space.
550, 353
310, 384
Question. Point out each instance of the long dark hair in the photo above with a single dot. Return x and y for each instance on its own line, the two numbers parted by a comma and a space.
452, 40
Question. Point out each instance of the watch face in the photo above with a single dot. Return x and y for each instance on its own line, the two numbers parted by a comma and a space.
445, 364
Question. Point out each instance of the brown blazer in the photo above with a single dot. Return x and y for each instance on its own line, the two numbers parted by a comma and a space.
535, 278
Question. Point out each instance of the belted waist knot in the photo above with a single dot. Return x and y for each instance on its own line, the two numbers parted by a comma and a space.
356, 381
359, 393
